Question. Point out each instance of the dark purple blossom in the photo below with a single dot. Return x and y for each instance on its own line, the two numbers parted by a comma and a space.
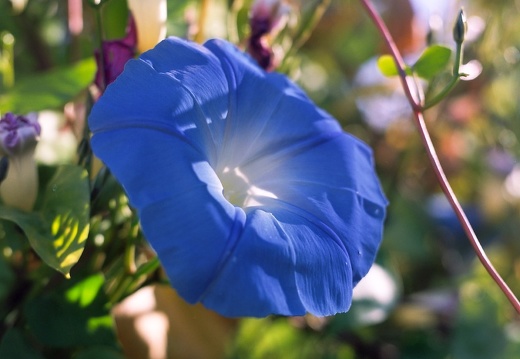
114, 55
265, 16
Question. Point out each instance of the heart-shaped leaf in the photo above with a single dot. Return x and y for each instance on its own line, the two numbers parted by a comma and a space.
432, 61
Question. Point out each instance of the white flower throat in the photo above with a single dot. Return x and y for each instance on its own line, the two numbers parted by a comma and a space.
239, 190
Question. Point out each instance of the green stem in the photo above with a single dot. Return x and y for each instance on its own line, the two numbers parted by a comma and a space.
307, 26
453, 82
101, 64
232, 21
130, 282
148, 268
311, 22
129, 257
120, 291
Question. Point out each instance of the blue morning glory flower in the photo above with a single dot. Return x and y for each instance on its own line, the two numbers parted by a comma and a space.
254, 199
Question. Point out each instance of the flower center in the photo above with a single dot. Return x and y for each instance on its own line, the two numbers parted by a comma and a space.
240, 191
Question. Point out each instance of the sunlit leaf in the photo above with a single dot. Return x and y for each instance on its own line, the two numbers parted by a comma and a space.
73, 314
432, 61
85, 291
58, 231
48, 90
66, 207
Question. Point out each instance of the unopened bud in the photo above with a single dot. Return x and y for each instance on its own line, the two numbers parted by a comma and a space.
111, 61
18, 134
460, 28
268, 16
18, 138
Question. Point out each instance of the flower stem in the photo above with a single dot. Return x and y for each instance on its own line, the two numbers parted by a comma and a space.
432, 154
308, 24
203, 14
234, 7
102, 65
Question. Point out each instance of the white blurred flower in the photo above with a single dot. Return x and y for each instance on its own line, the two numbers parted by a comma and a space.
150, 18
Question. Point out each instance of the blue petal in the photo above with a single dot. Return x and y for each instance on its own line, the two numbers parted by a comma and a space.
266, 111
301, 155
282, 265
181, 114
333, 182
177, 87
184, 215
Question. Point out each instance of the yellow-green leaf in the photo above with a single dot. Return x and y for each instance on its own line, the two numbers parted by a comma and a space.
386, 65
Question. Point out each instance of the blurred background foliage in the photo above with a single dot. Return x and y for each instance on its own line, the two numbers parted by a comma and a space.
427, 296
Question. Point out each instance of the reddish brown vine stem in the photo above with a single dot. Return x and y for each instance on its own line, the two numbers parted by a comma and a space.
432, 154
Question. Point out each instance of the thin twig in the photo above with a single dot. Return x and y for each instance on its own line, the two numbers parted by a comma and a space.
434, 159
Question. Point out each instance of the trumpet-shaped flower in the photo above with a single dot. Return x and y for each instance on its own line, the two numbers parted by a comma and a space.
254, 199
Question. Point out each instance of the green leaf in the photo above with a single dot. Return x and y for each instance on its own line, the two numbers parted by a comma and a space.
66, 206
99, 352
48, 90
85, 291
74, 314
432, 61
15, 346
58, 231
386, 65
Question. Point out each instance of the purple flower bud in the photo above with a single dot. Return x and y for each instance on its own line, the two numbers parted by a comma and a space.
18, 133
115, 55
266, 17
18, 138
